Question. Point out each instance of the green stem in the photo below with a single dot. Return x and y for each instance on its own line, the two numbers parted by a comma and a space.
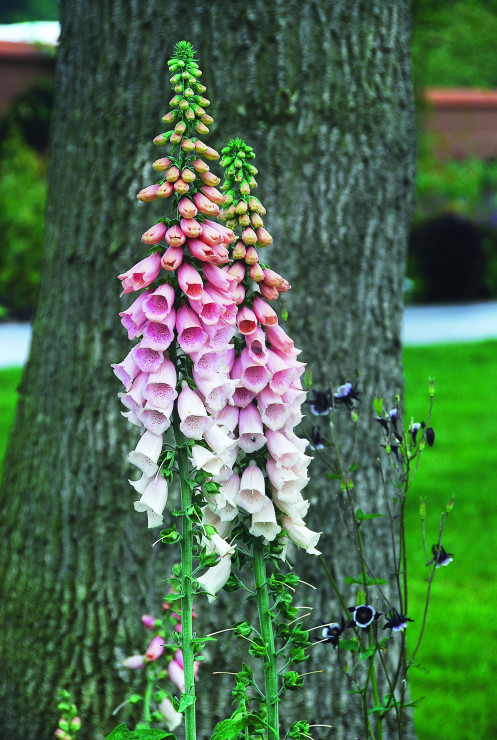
270, 667
374, 686
147, 715
186, 577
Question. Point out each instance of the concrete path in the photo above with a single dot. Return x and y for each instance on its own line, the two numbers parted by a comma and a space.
422, 325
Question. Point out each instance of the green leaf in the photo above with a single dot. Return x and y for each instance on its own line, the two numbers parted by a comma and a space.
350, 645
186, 701
361, 516
365, 654
135, 699
230, 728
119, 733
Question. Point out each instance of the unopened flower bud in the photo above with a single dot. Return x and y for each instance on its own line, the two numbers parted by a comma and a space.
256, 221
450, 505
161, 164
190, 114
229, 212
237, 269
199, 165
268, 291
183, 104
187, 145
264, 238
186, 208
422, 508
75, 724
256, 272
272, 278
134, 662
251, 256
187, 175
200, 147
245, 188
201, 88
201, 128
180, 127
249, 236
148, 194
189, 93
163, 138
175, 101
241, 207
155, 234
61, 735
207, 119
213, 194
169, 117
165, 190
175, 138
211, 153
155, 649
148, 621
244, 220
239, 251
174, 236
209, 178
232, 223
172, 174
181, 187
252, 183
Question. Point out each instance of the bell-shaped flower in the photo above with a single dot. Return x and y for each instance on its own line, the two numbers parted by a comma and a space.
204, 459
155, 233
264, 522
281, 449
158, 305
253, 377
218, 278
266, 315
283, 372
172, 258
242, 397
208, 310
175, 236
218, 440
176, 672
160, 389
156, 420
159, 335
142, 274
135, 398
207, 362
219, 336
251, 437
252, 494
302, 536
155, 649
217, 391
273, 409
190, 281
228, 235
127, 370
227, 417
211, 236
191, 336
246, 321
296, 510
140, 484
153, 501
256, 345
279, 339
134, 662
286, 481
133, 317
192, 413
190, 227
172, 718
215, 578
200, 250
132, 418
228, 460
148, 360
205, 205
146, 453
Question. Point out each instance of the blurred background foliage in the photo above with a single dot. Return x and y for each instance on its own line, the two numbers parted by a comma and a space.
453, 245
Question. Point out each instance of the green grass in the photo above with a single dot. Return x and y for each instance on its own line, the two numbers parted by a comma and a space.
9, 380
457, 659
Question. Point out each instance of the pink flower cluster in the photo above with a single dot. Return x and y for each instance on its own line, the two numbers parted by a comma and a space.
240, 400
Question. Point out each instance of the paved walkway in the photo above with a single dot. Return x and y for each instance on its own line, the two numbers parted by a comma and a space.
422, 325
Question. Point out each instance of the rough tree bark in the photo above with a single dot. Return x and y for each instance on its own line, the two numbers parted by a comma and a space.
322, 92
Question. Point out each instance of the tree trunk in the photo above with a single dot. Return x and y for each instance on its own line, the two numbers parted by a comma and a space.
322, 92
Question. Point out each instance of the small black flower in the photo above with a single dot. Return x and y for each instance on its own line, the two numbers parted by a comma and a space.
430, 436
321, 403
396, 622
317, 442
414, 431
363, 615
331, 632
346, 394
440, 557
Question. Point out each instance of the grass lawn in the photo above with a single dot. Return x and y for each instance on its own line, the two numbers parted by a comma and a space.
457, 660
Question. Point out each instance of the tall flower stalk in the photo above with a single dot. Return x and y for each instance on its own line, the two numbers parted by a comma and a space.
214, 386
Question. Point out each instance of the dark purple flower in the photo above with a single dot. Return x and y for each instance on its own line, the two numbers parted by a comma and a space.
395, 621
440, 557
363, 615
321, 402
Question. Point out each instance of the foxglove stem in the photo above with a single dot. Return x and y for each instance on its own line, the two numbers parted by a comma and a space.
266, 628
186, 576
147, 714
